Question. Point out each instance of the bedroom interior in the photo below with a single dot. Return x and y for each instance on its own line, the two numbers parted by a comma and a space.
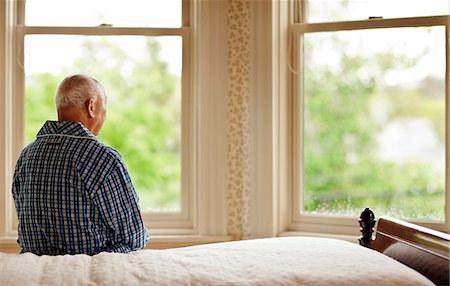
243, 193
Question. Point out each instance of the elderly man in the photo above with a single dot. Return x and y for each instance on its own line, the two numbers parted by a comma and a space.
72, 193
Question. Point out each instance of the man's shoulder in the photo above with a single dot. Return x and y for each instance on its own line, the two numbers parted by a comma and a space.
96, 163
26, 150
100, 160
114, 155
28, 146
24, 155
106, 152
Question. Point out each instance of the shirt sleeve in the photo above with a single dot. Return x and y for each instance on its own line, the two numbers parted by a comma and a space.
16, 179
118, 206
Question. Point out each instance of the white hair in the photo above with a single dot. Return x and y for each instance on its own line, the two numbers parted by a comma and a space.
76, 89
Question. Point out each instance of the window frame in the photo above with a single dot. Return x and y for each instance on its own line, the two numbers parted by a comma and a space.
14, 32
344, 225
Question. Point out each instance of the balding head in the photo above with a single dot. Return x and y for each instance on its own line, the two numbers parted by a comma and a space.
74, 90
81, 98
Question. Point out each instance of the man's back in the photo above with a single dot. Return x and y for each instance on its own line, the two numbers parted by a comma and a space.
73, 195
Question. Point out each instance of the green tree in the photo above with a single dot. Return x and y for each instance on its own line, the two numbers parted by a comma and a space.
342, 170
40, 102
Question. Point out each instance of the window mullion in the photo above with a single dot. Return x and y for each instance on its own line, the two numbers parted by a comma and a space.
447, 127
105, 31
186, 12
370, 24
15, 80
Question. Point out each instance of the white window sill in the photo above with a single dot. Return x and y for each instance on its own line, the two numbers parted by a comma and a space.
9, 244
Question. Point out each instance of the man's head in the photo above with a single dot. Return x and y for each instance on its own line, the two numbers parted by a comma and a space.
81, 98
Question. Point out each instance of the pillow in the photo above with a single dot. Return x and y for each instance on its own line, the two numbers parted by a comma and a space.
435, 268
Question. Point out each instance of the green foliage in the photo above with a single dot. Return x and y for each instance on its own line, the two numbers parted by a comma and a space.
343, 171
40, 103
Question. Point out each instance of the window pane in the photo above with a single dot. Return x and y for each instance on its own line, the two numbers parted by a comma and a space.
374, 122
345, 10
141, 76
130, 13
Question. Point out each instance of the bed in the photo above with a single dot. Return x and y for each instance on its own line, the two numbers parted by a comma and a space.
423, 256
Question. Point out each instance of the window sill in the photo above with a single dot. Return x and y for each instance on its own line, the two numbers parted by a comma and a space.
9, 244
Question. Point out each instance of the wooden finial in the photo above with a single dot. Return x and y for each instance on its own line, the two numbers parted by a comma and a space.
367, 222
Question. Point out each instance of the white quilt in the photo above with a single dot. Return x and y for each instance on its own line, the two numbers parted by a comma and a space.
272, 261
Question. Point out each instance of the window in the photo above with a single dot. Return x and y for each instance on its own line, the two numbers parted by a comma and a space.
171, 59
141, 53
369, 116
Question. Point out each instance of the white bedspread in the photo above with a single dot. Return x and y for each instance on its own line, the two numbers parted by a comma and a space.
273, 261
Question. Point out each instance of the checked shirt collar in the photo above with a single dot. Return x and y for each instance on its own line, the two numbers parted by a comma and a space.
65, 129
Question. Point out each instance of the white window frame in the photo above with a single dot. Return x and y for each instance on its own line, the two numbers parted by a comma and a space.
340, 225
203, 215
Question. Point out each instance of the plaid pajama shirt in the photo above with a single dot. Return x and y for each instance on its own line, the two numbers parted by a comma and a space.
74, 195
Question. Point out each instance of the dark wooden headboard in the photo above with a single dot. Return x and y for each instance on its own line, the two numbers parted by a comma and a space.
423, 249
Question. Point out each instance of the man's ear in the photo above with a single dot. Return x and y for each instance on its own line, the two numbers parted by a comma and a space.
90, 106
